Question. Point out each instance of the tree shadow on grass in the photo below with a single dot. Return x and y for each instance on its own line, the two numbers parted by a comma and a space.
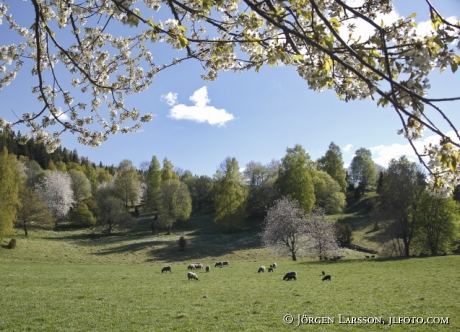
356, 222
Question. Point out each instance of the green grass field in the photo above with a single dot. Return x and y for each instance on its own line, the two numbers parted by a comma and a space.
77, 280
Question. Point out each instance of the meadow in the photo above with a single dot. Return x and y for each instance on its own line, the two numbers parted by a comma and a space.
78, 280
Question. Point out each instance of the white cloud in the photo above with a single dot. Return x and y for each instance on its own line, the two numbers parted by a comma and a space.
201, 111
347, 148
382, 154
170, 98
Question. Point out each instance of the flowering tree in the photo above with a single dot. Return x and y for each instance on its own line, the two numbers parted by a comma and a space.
284, 228
390, 64
56, 191
321, 233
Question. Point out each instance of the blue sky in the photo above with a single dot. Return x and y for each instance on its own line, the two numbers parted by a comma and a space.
258, 116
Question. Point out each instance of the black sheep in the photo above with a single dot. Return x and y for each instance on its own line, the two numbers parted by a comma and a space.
290, 275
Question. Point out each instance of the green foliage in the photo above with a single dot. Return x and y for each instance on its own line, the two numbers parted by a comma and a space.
10, 179
12, 244
402, 190
126, 183
167, 172
153, 181
32, 210
81, 186
436, 218
112, 214
262, 191
363, 170
332, 164
200, 188
174, 204
230, 194
295, 178
82, 216
328, 193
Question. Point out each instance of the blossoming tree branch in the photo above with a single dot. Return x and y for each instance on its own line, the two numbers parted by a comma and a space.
390, 64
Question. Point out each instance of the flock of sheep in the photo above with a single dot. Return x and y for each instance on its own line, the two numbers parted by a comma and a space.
191, 275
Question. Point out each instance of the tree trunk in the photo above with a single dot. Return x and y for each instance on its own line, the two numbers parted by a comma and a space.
169, 230
25, 229
294, 258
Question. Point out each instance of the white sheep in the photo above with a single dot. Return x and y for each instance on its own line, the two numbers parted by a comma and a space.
192, 275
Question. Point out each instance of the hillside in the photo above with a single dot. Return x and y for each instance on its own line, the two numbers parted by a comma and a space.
205, 242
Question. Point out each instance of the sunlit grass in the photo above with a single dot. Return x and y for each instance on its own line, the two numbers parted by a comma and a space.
72, 297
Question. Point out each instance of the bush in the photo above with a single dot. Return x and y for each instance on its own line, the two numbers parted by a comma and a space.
82, 216
182, 243
344, 234
12, 244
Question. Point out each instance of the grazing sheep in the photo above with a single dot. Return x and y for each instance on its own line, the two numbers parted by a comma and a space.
166, 268
208, 268
192, 275
275, 265
191, 267
270, 269
198, 265
261, 269
225, 263
290, 275
218, 264
324, 273
328, 277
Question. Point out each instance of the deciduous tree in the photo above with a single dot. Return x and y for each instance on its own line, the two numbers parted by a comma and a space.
175, 203
322, 234
437, 229
81, 186
230, 196
262, 191
56, 191
112, 215
126, 183
362, 169
390, 63
328, 193
10, 179
32, 211
332, 164
284, 228
295, 177
400, 201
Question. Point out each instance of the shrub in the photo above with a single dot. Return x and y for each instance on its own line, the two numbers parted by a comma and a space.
344, 234
82, 216
182, 243
12, 244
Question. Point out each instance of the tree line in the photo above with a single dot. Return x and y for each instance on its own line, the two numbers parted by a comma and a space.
100, 196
